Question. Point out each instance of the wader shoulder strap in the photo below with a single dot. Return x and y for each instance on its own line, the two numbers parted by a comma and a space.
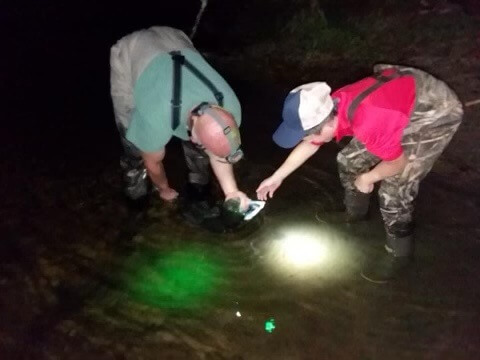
179, 61
381, 79
176, 101
218, 95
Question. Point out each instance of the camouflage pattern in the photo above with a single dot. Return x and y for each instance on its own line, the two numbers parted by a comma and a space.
434, 121
198, 163
135, 179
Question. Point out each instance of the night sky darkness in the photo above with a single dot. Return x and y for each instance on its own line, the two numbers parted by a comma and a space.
55, 73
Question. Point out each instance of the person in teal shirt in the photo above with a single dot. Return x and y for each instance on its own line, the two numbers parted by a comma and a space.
161, 87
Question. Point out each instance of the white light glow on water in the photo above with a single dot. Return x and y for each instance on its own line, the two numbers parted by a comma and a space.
306, 251
302, 250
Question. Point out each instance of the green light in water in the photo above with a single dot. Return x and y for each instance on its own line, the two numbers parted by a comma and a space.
270, 325
181, 279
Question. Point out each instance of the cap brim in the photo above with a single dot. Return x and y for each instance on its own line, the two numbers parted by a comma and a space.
287, 137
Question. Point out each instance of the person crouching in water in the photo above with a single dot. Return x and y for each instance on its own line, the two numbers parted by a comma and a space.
401, 120
161, 88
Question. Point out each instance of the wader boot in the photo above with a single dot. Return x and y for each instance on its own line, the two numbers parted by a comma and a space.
136, 187
398, 255
356, 209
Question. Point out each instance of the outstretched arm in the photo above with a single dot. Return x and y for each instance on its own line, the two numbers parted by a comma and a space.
301, 153
225, 176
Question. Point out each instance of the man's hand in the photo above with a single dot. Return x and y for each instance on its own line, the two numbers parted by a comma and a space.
168, 194
268, 187
244, 199
364, 183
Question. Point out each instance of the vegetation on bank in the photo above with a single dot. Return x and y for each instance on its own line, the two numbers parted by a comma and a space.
322, 31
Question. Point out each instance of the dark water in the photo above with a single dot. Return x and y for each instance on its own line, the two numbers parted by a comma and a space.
178, 292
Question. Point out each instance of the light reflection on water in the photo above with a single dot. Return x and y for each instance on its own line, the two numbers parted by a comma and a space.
307, 251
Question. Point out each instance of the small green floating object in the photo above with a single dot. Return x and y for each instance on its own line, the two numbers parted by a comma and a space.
270, 325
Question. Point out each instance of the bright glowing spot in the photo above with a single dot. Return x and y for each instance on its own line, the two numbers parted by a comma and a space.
302, 250
270, 325
308, 252
238, 314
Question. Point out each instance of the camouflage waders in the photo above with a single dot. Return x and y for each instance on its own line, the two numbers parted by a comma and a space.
135, 179
198, 163
434, 121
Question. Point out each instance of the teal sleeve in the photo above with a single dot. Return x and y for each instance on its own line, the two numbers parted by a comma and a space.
144, 136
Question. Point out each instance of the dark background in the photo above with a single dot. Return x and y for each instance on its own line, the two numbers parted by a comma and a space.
55, 71
57, 115
55, 78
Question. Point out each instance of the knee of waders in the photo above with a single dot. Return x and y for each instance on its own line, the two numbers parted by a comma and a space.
135, 183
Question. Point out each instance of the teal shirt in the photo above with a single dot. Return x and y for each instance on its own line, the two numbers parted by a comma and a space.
151, 126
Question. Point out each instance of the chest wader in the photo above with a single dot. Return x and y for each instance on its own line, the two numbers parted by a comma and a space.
437, 116
399, 237
356, 202
399, 244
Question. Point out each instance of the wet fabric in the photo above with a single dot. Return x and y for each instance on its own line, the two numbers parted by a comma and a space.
434, 121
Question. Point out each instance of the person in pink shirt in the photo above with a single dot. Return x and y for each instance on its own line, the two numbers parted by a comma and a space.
401, 119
